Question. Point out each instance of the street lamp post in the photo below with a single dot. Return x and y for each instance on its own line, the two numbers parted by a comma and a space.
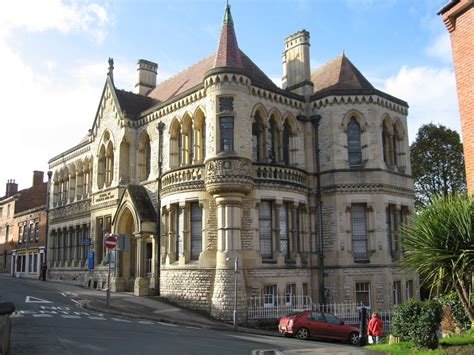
236, 268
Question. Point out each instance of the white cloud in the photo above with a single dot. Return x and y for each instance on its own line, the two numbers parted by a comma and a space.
44, 111
441, 48
431, 95
40, 16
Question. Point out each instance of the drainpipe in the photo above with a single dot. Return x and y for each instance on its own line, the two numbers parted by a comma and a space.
315, 119
48, 191
160, 126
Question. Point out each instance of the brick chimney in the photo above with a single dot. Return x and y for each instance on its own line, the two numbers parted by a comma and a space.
12, 188
37, 178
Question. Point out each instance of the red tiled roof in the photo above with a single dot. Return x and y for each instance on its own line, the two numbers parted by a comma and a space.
228, 53
339, 74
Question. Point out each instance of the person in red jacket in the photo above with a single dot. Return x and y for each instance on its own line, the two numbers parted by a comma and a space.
375, 328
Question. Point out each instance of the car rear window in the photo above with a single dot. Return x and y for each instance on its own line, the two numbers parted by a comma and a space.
293, 314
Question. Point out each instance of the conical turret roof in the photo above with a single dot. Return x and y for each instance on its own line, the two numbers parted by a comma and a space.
228, 53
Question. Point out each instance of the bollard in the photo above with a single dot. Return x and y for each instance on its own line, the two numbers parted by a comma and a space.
363, 326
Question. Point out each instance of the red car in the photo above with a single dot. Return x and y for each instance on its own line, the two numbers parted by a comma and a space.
318, 325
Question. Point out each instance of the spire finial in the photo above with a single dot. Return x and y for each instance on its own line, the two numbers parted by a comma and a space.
227, 15
111, 69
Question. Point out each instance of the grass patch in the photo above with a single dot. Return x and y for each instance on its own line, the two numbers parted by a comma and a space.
453, 345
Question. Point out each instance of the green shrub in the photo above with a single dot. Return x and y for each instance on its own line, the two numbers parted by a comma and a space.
450, 302
418, 321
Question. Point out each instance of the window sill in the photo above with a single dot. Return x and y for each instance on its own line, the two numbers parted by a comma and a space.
269, 261
362, 261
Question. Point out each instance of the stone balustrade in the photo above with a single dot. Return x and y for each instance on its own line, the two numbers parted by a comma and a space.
270, 173
185, 178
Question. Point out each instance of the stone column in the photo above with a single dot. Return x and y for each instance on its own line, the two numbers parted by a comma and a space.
228, 179
277, 255
141, 282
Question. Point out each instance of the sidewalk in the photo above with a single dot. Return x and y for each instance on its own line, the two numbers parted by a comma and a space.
155, 309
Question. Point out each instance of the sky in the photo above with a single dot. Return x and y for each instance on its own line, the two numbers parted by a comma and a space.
53, 58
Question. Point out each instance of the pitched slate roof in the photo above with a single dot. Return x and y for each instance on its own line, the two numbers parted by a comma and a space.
341, 77
339, 74
132, 104
142, 202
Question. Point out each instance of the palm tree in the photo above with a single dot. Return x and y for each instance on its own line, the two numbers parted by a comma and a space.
439, 246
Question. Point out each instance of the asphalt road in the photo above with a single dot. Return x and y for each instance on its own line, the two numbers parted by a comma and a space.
51, 322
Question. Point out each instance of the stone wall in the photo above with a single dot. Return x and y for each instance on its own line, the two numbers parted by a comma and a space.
191, 288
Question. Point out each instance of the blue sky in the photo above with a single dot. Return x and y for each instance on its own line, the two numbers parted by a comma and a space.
54, 53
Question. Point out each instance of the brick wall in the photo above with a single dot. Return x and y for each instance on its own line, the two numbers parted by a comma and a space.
459, 21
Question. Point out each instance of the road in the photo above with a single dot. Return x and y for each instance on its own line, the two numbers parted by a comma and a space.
51, 322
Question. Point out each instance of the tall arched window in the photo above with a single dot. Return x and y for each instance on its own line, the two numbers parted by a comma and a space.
124, 166
109, 165
257, 138
187, 141
272, 141
144, 158
101, 168
353, 142
387, 145
286, 142
175, 144
199, 137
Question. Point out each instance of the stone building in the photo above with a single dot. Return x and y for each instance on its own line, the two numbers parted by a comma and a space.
302, 188
23, 220
458, 16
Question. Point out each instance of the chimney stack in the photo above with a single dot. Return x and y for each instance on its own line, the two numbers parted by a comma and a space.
12, 188
146, 76
37, 178
296, 64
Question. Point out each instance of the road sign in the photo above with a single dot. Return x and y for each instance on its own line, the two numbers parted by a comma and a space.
87, 241
110, 242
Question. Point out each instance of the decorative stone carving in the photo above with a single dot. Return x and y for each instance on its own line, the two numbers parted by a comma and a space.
184, 179
73, 209
229, 174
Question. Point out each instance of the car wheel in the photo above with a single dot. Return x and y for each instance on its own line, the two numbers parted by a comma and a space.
354, 338
302, 333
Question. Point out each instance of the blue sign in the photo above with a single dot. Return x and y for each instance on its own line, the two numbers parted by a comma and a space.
90, 258
86, 242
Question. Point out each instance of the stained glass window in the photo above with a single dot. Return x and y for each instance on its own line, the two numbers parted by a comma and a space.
353, 142
196, 230
265, 229
359, 232
227, 133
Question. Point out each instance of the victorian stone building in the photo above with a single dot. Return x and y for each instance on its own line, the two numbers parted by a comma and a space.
302, 188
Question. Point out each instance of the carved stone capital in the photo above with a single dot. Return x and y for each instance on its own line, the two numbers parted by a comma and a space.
229, 174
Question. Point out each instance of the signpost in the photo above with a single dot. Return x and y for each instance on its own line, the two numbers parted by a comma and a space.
110, 243
87, 242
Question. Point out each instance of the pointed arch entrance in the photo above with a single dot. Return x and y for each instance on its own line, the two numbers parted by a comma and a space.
126, 264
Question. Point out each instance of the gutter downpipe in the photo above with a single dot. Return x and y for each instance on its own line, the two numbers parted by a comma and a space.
160, 126
315, 119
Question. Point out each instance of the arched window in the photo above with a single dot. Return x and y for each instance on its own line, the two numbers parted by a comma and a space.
101, 168
187, 141
199, 137
387, 145
257, 138
109, 167
286, 142
353, 142
175, 144
144, 159
272, 141
124, 166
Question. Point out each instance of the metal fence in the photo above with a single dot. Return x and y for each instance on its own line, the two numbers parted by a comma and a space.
260, 308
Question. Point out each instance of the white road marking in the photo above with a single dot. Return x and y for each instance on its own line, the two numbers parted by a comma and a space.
42, 315
70, 316
121, 320
31, 299
167, 324
145, 322
96, 318
190, 327
77, 302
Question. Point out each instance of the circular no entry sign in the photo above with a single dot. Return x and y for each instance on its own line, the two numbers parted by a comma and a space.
110, 242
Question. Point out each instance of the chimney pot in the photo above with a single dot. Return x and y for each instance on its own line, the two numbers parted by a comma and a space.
146, 76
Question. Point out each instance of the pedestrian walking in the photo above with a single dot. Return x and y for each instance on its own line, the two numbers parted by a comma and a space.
44, 267
375, 328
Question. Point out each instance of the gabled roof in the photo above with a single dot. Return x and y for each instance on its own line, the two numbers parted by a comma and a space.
132, 104
341, 77
339, 74
141, 201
